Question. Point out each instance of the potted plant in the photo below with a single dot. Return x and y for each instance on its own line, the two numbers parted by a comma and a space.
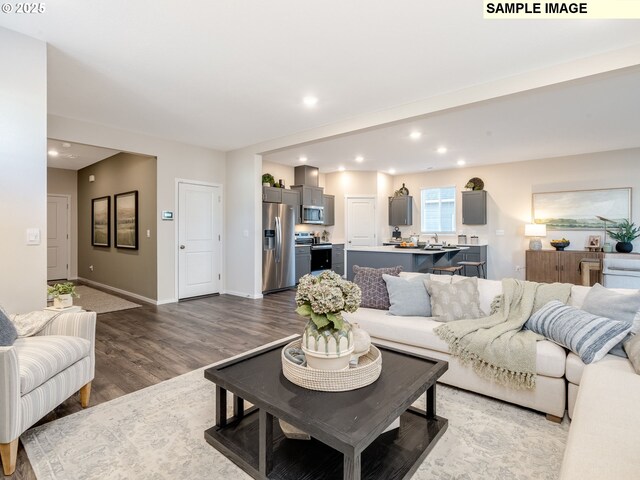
328, 339
62, 294
268, 180
626, 233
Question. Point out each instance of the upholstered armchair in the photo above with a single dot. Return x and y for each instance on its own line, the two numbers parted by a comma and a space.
38, 373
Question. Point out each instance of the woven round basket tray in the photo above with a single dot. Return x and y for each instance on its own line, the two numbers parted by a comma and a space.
367, 372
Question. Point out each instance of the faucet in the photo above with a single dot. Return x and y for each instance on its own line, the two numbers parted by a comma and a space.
435, 237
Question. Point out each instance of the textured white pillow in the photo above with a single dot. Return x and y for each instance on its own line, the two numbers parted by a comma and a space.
454, 301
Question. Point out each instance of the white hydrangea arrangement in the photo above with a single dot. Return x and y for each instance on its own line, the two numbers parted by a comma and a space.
324, 297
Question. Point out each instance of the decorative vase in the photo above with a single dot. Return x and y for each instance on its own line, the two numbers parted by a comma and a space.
63, 301
328, 348
624, 247
361, 342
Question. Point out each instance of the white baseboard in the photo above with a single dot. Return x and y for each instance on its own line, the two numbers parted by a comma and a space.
242, 294
118, 290
164, 302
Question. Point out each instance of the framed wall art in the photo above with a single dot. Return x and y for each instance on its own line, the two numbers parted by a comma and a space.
126, 220
100, 222
580, 209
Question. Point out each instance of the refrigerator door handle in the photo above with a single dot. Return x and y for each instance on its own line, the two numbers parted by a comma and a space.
278, 251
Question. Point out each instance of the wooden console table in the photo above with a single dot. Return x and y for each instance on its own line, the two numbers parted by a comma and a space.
562, 266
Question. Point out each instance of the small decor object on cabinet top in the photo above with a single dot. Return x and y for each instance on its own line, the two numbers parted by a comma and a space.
626, 233
560, 245
268, 180
593, 244
401, 192
327, 341
475, 184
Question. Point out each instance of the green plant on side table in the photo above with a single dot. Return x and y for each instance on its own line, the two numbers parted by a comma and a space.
626, 233
62, 294
268, 180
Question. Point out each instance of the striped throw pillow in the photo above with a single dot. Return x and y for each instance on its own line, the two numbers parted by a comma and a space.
588, 336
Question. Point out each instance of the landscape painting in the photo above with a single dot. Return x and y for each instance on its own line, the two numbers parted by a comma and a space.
579, 210
126, 220
100, 226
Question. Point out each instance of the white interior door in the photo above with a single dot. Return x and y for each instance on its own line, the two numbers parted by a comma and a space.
361, 221
199, 237
57, 237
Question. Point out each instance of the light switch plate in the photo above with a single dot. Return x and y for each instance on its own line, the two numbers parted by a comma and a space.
33, 236
499, 233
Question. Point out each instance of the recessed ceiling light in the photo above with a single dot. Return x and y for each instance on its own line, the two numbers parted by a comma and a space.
359, 159
392, 171
415, 135
341, 168
66, 144
53, 153
303, 159
310, 101
442, 150
461, 162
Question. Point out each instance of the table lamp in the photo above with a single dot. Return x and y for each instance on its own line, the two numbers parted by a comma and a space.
605, 247
535, 231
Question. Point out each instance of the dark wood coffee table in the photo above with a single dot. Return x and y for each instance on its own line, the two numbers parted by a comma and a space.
346, 427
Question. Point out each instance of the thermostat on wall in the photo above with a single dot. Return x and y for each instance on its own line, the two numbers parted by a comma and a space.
167, 215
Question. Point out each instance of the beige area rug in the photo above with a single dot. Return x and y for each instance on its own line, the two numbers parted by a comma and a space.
99, 301
158, 433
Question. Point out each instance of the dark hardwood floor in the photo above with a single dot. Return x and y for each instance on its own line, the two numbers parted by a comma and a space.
143, 346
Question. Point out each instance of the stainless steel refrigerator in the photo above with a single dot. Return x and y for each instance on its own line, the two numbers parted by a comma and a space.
278, 247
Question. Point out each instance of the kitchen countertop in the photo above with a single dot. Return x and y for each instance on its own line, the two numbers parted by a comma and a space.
413, 251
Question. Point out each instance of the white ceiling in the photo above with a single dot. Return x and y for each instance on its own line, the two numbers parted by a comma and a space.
74, 156
590, 115
228, 74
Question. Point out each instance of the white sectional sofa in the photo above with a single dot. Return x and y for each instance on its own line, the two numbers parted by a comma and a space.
603, 439
558, 371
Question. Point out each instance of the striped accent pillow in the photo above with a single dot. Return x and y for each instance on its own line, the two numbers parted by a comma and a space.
588, 336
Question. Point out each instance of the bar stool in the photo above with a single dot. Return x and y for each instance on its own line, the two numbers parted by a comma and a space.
479, 267
452, 270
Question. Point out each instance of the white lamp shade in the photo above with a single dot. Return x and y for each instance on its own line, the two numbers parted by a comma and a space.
535, 230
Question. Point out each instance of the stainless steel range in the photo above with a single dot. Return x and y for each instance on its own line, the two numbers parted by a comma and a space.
320, 251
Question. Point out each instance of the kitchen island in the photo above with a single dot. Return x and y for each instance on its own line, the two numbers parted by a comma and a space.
415, 259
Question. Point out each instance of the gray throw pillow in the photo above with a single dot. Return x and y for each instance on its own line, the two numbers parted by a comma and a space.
374, 290
588, 336
617, 306
454, 301
408, 296
632, 347
8, 333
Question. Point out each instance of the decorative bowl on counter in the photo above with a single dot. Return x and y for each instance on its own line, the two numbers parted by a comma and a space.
560, 244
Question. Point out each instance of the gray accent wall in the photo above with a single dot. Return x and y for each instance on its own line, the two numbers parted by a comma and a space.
133, 271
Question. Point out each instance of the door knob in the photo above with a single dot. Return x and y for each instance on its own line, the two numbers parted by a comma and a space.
182, 247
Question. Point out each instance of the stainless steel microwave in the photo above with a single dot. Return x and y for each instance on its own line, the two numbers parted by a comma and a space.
312, 214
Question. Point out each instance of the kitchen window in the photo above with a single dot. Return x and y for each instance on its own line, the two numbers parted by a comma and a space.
438, 210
